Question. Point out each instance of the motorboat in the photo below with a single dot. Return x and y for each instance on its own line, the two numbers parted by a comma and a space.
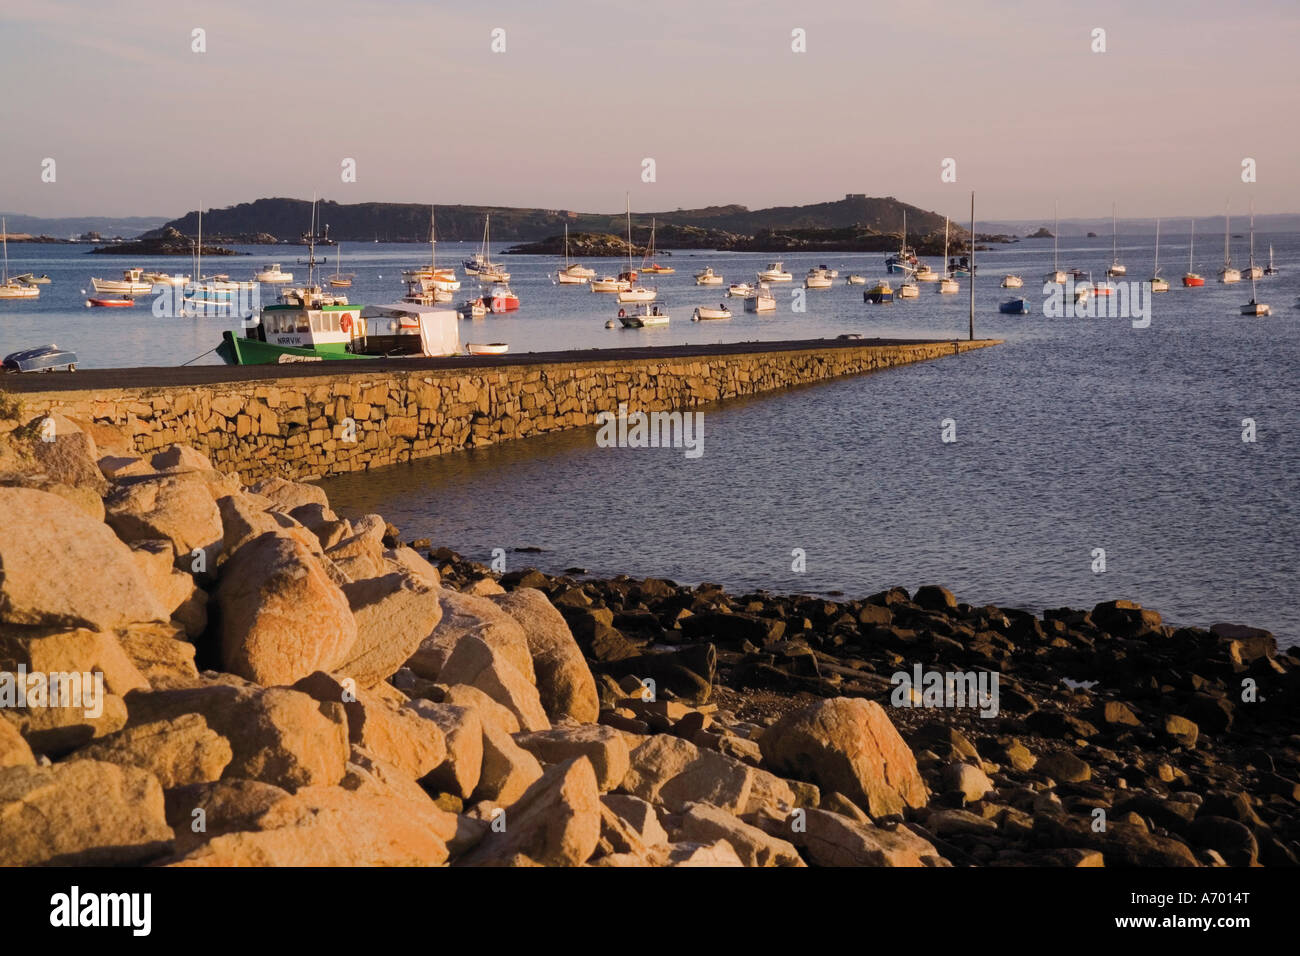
817, 279
1014, 307
760, 300
855, 279
739, 290
637, 294
107, 303
643, 316
948, 286
879, 294
1012, 282
909, 290
500, 299
923, 273
775, 272
473, 309
828, 271
704, 313
273, 274
708, 277
43, 358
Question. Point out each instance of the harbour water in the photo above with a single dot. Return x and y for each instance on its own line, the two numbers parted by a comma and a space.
1076, 435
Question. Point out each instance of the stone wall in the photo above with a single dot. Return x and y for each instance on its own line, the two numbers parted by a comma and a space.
300, 427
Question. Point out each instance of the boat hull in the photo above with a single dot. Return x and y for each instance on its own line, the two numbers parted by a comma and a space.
238, 350
1193, 281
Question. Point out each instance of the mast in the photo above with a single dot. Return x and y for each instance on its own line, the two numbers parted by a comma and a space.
433, 242
1191, 247
1056, 230
1156, 271
1227, 256
1252, 252
629, 232
1114, 235
198, 268
972, 265
566, 245
4, 227
311, 245
947, 270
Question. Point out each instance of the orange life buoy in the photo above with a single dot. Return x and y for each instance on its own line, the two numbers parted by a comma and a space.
345, 323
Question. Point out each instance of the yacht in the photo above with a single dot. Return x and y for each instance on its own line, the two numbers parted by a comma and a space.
273, 274
775, 272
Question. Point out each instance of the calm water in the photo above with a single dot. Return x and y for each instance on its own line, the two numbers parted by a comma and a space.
1074, 435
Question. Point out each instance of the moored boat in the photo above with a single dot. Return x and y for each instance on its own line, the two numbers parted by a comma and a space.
472, 309
855, 279
106, 303
638, 293
1191, 279
648, 265
1228, 275
909, 290
879, 294
1117, 268
761, 300
486, 348
1012, 282
610, 284
775, 272
1271, 270
500, 299
1014, 307
1254, 307
643, 316
708, 277
131, 283
817, 279
273, 274
704, 313
572, 273
739, 290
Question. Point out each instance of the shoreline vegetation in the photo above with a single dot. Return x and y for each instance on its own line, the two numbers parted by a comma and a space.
328, 694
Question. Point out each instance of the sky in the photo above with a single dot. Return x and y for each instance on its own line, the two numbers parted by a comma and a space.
712, 91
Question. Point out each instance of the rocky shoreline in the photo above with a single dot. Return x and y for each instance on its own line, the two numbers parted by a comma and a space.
283, 686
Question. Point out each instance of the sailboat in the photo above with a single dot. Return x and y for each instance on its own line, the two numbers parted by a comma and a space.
1056, 276
1158, 284
1117, 268
947, 285
904, 260
1254, 306
430, 284
572, 273
1253, 271
633, 293
654, 268
1272, 269
12, 288
479, 264
1228, 274
339, 280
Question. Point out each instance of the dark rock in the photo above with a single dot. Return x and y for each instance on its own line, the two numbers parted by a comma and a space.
1233, 840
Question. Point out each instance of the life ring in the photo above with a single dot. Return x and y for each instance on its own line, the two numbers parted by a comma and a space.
345, 323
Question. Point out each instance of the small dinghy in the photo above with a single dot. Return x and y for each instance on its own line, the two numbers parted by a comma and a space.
1014, 307
109, 303
486, 348
45, 358
703, 313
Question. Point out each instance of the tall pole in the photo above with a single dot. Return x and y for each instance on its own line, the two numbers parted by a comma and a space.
972, 265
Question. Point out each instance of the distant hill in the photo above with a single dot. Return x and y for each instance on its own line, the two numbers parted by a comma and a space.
289, 219
66, 228
1172, 226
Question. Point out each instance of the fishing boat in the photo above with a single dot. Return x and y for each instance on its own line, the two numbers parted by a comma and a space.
817, 279
739, 290
643, 316
708, 277
828, 271
486, 348
1014, 307
704, 313
923, 273
1271, 270
131, 283
1012, 282
1228, 275
119, 302
1056, 276
274, 275
1117, 268
1254, 306
500, 299
909, 290
648, 264
855, 279
43, 358
904, 260
1158, 284
879, 294
572, 273
12, 288
472, 308
947, 285
775, 272
761, 299
1191, 279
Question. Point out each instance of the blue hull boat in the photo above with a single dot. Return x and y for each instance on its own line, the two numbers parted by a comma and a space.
43, 359
1014, 307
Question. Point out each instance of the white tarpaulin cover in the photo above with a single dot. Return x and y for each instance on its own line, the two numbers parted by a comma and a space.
439, 328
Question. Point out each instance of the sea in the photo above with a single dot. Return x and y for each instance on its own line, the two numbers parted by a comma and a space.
1150, 457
